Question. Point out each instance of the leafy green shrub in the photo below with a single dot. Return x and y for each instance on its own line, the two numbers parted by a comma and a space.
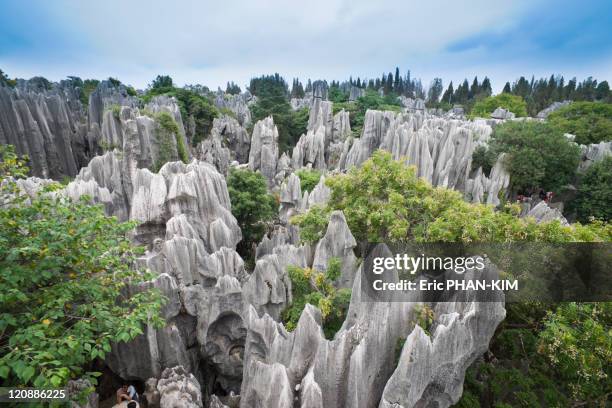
252, 206
336, 95
385, 200
591, 122
371, 100
594, 197
89, 85
191, 104
168, 129
317, 288
539, 156
65, 270
116, 109
513, 103
577, 341
485, 158
308, 179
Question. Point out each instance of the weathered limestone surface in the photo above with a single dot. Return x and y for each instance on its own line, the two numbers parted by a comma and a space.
501, 113
543, 213
338, 242
48, 126
239, 104
263, 155
543, 114
179, 388
356, 368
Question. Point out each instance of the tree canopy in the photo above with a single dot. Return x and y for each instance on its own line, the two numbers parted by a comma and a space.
538, 155
513, 103
252, 206
68, 284
590, 122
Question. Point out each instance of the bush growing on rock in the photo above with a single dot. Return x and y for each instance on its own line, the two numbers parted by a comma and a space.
594, 197
252, 206
317, 288
168, 133
385, 200
513, 103
191, 104
590, 122
308, 179
67, 288
538, 155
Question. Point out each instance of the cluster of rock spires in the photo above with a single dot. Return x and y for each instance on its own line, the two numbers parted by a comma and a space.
224, 344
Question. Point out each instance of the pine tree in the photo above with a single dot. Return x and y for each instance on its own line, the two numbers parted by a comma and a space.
474, 89
507, 88
396, 82
486, 88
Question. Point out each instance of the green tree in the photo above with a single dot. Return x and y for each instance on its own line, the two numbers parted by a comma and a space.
162, 81
513, 103
384, 200
194, 107
68, 287
590, 122
308, 179
252, 206
538, 155
272, 99
232, 88
317, 288
594, 197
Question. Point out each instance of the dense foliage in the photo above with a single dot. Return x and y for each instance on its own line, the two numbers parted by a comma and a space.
371, 100
590, 122
594, 196
272, 99
485, 158
385, 200
65, 292
542, 355
317, 288
308, 179
252, 206
194, 107
513, 103
538, 155
540, 93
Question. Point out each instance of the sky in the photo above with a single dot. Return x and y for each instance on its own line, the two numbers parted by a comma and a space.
212, 42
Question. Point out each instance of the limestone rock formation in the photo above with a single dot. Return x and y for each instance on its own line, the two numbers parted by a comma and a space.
593, 153
179, 389
234, 136
543, 114
543, 213
47, 126
239, 104
263, 155
355, 93
356, 368
338, 242
501, 113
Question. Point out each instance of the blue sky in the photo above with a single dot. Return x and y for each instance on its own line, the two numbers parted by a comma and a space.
211, 42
